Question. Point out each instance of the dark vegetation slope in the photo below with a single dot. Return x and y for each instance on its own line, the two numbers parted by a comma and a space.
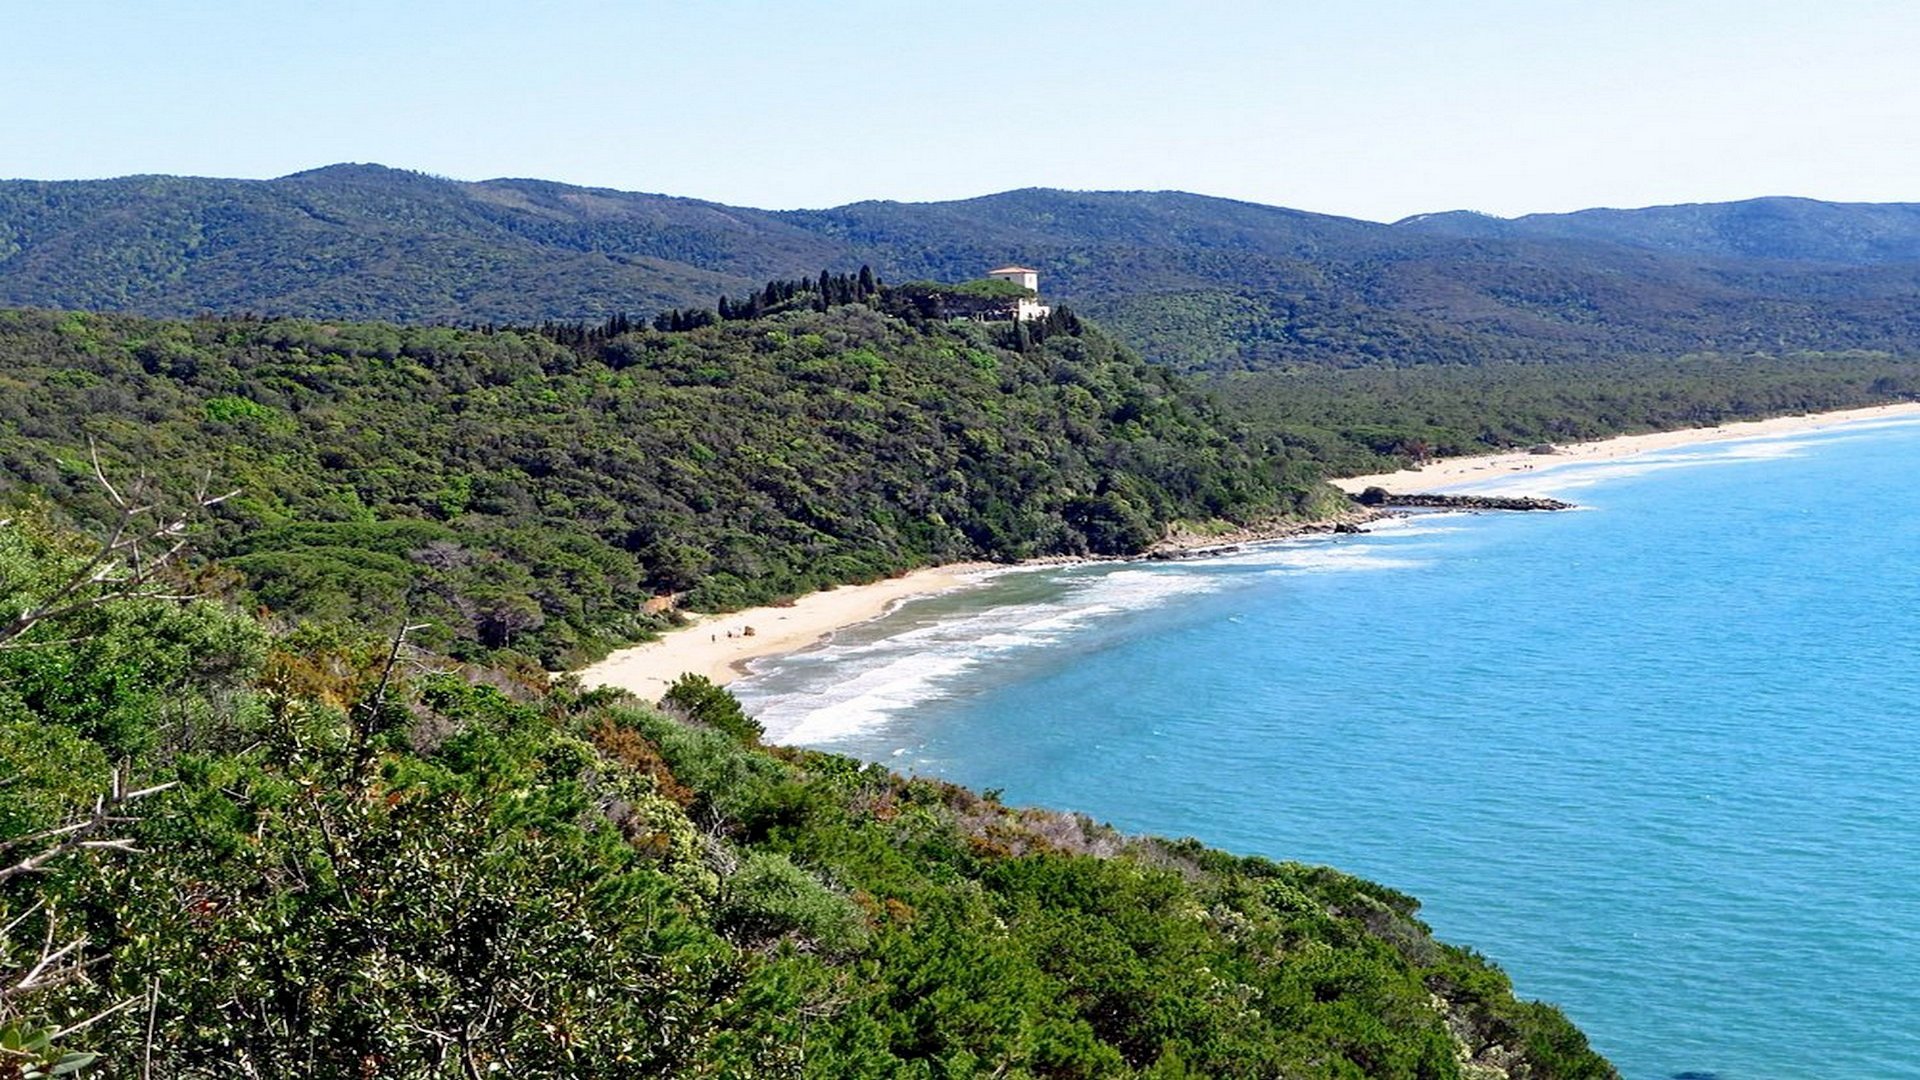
1373, 419
525, 495
369, 869
1196, 282
373, 243
1781, 229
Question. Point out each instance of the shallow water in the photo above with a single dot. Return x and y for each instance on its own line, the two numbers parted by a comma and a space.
1660, 757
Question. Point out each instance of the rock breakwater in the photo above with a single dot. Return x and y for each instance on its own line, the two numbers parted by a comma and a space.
1381, 497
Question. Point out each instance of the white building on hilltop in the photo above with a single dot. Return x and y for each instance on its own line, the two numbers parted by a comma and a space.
1028, 307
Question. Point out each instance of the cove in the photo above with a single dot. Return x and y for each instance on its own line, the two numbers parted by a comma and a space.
1659, 756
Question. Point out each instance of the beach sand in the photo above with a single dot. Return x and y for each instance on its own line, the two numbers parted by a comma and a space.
1446, 473
716, 645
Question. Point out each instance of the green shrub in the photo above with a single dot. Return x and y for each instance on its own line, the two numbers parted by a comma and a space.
769, 897
698, 698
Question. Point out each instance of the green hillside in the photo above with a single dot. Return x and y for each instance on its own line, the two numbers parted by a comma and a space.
526, 495
1195, 282
1372, 419
368, 242
280, 855
1779, 229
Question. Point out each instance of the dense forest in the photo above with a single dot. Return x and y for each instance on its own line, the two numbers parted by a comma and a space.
227, 850
524, 490
289, 792
1363, 420
521, 490
1194, 282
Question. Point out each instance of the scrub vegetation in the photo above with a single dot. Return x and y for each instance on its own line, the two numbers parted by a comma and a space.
239, 851
524, 490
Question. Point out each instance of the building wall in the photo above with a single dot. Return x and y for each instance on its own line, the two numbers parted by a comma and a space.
1032, 309
1029, 280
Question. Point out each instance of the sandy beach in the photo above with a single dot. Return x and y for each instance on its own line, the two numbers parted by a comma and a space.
718, 646
1451, 472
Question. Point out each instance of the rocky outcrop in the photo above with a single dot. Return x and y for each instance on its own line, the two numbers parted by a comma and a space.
1187, 545
1381, 497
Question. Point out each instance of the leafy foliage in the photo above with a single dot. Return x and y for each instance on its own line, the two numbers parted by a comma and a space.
1196, 282
695, 698
523, 490
1368, 420
431, 877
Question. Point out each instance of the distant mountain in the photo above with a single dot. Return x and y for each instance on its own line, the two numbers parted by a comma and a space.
365, 241
1194, 281
1802, 230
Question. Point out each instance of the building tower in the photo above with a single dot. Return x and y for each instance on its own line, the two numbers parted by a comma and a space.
1028, 307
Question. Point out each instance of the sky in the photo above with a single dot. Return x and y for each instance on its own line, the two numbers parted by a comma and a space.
1374, 109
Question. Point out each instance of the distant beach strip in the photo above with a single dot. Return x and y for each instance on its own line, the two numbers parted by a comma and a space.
720, 646
1457, 472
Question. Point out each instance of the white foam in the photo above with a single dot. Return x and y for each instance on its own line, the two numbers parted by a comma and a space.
862, 684
862, 702
851, 688
1319, 556
1420, 525
1351, 561
1582, 474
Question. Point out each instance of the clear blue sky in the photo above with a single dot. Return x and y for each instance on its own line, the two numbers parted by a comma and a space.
1376, 110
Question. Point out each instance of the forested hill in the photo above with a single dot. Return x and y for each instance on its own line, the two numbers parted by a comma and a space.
263, 854
1193, 281
525, 490
1793, 230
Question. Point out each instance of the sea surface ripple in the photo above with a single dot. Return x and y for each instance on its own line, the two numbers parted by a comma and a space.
1660, 758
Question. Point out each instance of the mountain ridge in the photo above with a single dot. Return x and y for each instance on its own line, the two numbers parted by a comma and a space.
1195, 281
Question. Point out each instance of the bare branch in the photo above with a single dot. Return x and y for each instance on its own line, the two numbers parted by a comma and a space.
47, 644
100, 474
153, 1009
97, 1017
146, 791
47, 834
81, 835
7, 930
128, 545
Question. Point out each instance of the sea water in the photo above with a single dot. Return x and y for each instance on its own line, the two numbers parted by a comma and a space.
1658, 757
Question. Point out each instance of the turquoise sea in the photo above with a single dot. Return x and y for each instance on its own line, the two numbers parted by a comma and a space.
1659, 757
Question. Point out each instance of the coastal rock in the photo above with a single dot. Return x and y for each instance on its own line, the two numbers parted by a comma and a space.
1189, 545
1178, 554
1375, 496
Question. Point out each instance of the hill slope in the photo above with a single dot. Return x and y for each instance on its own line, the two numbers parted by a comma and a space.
363, 241
551, 487
1780, 229
338, 873
1193, 281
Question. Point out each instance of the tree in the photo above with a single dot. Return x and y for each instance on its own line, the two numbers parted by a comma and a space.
58, 598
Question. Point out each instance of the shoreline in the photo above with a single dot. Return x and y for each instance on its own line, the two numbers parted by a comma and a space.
1443, 473
725, 650
649, 668
737, 637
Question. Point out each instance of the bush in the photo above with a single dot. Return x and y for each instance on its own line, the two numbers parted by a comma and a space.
769, 897
698, 698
